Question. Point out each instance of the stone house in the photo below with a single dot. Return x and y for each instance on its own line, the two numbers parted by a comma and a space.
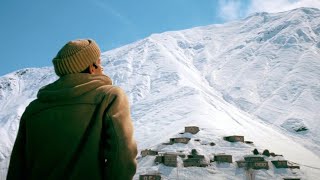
168, 159
280, 163
196, 156
258, 165
253, 158
223, 158
183, 140
147, 152
254, 162
195, 159
150, 177
234, 138
191, 162
196, 162
191, 129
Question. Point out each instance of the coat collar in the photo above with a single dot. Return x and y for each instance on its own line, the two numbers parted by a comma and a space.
71, 86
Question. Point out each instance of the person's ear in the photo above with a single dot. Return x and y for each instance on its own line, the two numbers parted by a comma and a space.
91, 69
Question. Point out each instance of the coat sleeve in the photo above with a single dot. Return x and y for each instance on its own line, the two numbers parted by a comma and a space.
17, 166
121, 148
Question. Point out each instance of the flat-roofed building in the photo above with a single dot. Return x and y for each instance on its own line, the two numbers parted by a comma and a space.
192, 129
254, 158
150, 176
183, 140
168, 159
196, 156
280, 163
258, 165
195, 162
234, 138
147, 152
223, 158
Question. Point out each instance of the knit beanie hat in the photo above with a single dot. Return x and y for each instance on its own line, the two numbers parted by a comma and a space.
76, 56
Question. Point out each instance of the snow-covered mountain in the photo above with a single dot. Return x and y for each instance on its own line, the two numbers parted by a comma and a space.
258, 77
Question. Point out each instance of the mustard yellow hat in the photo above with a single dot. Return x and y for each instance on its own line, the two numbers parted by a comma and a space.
76, 56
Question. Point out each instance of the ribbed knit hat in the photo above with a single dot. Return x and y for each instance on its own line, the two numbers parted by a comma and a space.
76, 56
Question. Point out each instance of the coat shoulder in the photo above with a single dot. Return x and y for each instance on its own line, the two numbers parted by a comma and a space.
113, 90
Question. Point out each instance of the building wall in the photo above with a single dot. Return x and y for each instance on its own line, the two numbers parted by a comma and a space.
149, 177
196, 156
195, 162
148, 152
192, 129
258, 165
280, 164
191, 163
224, 158
170, 160
237, 138
179, 140
234, 138
254, 159
159, 159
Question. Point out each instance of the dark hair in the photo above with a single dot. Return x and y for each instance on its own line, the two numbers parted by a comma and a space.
87, 70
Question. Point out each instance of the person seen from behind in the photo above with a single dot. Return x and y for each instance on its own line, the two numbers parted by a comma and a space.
79, 127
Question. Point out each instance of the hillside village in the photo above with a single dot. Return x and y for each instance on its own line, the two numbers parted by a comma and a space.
180, 158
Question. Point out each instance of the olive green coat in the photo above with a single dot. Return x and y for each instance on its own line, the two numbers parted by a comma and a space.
51, 142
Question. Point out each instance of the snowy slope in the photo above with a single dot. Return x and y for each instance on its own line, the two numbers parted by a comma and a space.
257, 77
17, 90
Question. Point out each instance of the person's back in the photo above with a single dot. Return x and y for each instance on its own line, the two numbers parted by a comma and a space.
79, 127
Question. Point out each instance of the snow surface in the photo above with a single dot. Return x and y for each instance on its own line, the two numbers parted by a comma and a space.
258, 77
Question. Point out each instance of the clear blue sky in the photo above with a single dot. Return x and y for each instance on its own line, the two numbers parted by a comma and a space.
32, 31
